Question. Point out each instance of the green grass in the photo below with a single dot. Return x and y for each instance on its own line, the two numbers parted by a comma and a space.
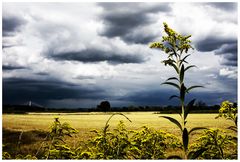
35, 126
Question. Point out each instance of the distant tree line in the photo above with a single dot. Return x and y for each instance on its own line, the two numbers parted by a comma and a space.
105, 106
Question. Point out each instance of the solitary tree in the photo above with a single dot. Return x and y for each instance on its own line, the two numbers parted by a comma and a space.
104, 106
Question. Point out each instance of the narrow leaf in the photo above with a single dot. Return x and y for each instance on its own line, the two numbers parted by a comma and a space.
192, 87
173, 121
182, 92
182, 73
183, 60
186, 57
196, 154
188, 67
172, 78
196, 128
173, 84
187, 110
185, 139
173, 96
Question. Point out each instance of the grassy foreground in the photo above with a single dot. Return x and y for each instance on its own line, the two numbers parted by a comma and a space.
33, 127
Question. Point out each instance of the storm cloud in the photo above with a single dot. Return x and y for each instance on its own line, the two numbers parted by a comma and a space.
226, 47
11, 25
212, 43
229, 52
161, 97
97, 55
224, 5
126, 20
9, 67
20, 90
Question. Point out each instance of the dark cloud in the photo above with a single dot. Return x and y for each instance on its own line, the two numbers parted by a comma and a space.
135, 7
42, 73
10, 67
150, 97
122, 19
212, 43
7, 46
229, 52
96, 55
227, 6
221, 46
142, 38
228, 48
81, 77
11, 25
18, 91
230, 60
161, 97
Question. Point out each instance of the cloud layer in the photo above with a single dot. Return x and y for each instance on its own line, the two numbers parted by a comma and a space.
78, 54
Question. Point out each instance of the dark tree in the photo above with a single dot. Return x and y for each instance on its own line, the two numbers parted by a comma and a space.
104, 106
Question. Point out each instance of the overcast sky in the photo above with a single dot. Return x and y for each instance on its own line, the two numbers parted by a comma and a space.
78, 54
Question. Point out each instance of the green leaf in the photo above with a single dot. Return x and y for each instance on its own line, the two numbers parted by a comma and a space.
182, 92
190, 105
196, 128
188, 67
185, 139
173, 121
173, 96
182, 74
196, 154
183, 60
174, 157
192, 87
173, 84
172, 78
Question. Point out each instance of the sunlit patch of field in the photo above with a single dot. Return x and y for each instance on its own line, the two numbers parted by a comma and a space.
88, 121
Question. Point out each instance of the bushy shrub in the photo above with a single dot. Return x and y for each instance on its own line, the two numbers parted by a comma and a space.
149, 143
216, 145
